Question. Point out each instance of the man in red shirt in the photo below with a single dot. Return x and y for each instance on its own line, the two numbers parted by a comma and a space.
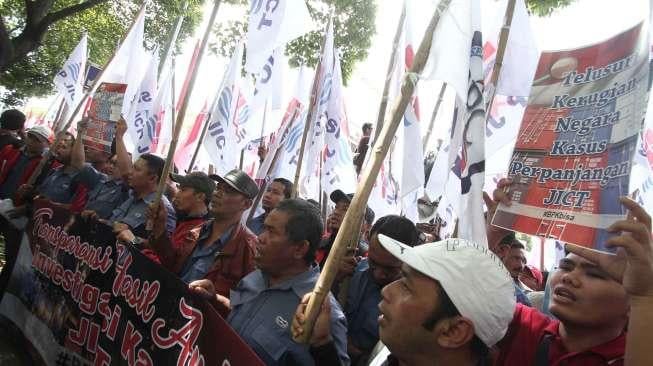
593, 297
191, 206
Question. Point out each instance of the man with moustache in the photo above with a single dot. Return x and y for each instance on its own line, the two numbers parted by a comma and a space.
224, 250
263, 303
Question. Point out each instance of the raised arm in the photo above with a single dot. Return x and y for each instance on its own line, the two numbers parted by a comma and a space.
124, 160
78, 157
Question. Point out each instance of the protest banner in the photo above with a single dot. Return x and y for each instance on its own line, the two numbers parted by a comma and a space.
78, 297
574, 151
103, 115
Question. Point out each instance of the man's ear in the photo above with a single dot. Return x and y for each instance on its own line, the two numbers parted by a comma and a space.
454, 332
301, 249
247, 203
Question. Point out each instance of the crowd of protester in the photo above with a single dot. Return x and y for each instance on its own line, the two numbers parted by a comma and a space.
396, 300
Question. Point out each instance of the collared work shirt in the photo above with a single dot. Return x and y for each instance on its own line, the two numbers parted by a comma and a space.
362, 308
262, 316
201, 259
256, 224
59, 186
133, 213
105, 193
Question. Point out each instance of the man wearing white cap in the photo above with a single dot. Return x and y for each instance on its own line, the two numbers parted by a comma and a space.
454, 301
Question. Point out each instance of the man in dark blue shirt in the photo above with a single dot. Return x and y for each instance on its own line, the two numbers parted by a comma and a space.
372, 273
278, 190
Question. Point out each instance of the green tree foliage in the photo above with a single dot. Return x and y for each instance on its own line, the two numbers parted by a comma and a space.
546, 7
353, 25
105, 21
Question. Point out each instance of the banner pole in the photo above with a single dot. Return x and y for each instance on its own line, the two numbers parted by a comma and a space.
309, 118
179, 121
501, 51
427, 137
386, 88
354, 215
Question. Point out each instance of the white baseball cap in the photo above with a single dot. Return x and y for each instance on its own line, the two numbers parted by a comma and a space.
474, 278
40, 131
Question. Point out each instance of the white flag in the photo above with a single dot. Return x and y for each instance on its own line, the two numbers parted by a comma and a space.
128, 66
464, 189
70, 79
221, 142
273, 24
315, 138
141, 122
287, 139
521, 55
163, 110
337, 170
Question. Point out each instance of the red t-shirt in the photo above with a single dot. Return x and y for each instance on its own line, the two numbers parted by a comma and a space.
526, 332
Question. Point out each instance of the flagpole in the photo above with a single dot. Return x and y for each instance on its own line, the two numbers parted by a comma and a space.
277, 153
358, 204
37, 171
503, 42
170, 46
179, 120
386, 88
425, 142
309, 116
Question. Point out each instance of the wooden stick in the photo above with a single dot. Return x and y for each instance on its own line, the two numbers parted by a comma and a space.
277, 153
503, 42
386, 88
182, 110
37, 171
359, 202
309, 118
242, 159
427, 137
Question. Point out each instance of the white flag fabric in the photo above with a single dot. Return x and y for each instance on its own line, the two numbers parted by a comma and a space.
412, 173
268, 93
163, 110
309, 183
337, 168
141, 123
70, 79
271, 25
221, 141
464, 189
128, 66
287, 139
521, 55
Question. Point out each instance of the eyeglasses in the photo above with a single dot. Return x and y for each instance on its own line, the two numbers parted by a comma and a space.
225, 188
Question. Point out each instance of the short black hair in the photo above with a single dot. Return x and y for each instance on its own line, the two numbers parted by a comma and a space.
447, 309
154, 163
398, 228
304, 223
516, 244
367, 126
12, 119
287, 186
63, 134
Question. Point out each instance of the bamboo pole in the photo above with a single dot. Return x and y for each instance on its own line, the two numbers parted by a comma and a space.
427, 137
358, 204
501, 51
37, 171
386, 88
277, 153
182, 110
309, 118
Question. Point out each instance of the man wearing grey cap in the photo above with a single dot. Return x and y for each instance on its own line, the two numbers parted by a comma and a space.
224, 249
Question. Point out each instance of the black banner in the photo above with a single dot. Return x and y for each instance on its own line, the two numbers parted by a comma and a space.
80, 298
